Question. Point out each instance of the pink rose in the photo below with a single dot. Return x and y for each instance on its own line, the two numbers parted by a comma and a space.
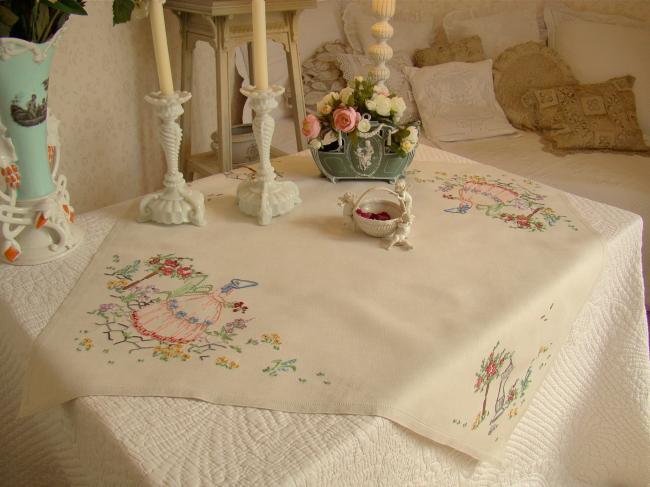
311, 126
346, 119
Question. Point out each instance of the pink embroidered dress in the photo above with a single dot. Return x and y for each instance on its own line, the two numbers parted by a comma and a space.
179, 320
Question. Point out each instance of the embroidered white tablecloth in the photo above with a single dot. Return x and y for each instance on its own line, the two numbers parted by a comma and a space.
449, 340
150, 450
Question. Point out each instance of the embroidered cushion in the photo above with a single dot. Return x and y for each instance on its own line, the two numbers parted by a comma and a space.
590, 116
321, 73
356, 64
520, 68
467, 50
456, 101
599, 47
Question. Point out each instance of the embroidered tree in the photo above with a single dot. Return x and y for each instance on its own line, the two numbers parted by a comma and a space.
491, 368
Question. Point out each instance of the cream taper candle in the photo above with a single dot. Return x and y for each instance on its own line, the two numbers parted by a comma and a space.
160, 48
260, 61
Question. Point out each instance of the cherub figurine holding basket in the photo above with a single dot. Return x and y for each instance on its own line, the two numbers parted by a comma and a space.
382, 218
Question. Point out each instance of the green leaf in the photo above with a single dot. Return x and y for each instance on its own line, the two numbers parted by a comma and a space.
7, 17
41, 22
67, 6
5, 30
122, 10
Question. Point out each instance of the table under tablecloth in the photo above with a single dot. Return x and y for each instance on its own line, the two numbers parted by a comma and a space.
574, 412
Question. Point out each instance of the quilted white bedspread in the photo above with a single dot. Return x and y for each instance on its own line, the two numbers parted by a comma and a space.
588, 425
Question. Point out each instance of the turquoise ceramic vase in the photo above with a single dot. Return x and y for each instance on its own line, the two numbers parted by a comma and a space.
24, 82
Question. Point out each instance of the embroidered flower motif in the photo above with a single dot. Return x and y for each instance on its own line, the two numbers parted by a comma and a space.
184, 272
272, 339
170, 352
167, 271
226, 363
105, 308
117, 284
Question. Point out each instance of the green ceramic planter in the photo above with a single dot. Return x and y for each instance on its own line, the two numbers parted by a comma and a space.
368, 159
24, 83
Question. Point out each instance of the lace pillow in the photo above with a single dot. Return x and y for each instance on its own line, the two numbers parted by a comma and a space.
498, 29
467, 50
456, 101
408, 35
321, 73
590, 116
357, 64
599, 47
520, 68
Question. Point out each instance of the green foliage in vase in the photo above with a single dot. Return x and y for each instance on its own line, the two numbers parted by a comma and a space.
122, 10
36, 20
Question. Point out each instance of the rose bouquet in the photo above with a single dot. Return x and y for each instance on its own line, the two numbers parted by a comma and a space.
359, 111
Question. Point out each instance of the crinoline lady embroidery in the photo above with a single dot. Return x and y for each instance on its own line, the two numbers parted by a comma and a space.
184, 319
184, 322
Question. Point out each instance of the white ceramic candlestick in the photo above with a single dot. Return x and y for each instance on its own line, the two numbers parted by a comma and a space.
176, 203
264, 197
382, 31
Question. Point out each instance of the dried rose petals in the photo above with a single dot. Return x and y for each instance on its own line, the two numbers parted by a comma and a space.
382, 216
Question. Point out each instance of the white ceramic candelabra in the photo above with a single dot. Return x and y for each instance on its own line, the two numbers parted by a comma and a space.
39, 230
176, 203
263, 196
382, 31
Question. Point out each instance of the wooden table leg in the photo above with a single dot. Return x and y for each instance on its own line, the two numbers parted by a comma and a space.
295, 78
187, 54
224, 59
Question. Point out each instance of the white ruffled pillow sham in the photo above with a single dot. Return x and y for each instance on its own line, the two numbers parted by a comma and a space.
499, 26
456, 101
599, 47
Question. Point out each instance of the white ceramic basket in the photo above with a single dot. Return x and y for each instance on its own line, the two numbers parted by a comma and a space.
378, 228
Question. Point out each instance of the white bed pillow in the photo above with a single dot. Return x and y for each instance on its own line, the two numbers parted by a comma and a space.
599, 47
456, 101
499, 26
407, 37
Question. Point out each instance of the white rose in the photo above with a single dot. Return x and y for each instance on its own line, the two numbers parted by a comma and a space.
413, 135
406, 145
333, 96
397, 105
382, 105
315, 144
381, 90
324, 108
363, 125
346, 95
371, 105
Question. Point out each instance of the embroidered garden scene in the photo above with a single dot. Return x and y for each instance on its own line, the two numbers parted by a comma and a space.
501, 397
517, 203
177, 317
